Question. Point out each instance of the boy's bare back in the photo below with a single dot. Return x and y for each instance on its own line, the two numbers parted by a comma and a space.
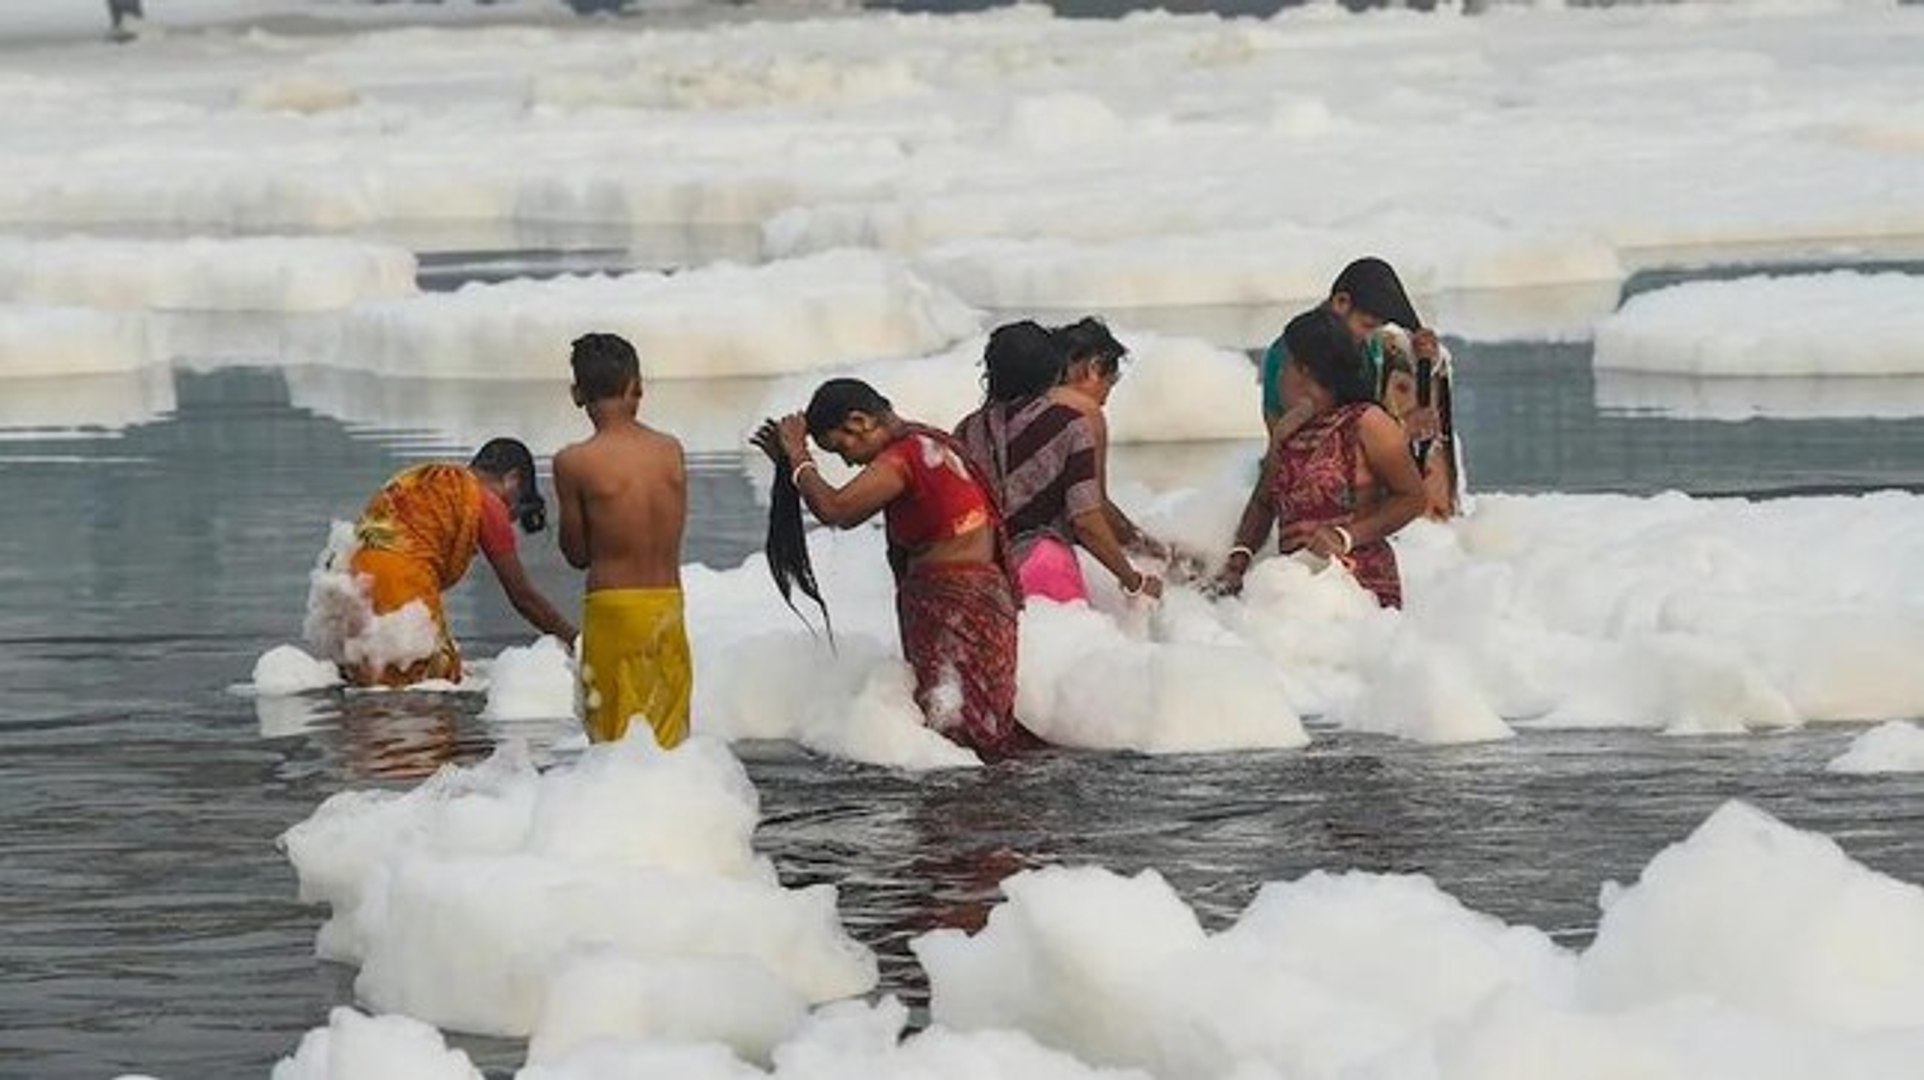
624, 505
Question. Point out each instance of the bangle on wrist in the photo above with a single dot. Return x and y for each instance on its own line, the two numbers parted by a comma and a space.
1349, 541
1142, 582
1248, 555
795, 477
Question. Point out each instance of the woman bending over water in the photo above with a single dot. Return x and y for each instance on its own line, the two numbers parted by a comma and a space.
414, 541
1339, 476
955, 595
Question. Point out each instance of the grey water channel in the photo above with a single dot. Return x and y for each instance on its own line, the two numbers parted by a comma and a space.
153, 547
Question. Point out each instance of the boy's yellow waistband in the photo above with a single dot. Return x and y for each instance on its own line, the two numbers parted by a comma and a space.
632, 597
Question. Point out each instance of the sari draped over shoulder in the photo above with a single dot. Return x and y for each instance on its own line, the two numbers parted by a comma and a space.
1315, 484
958, 620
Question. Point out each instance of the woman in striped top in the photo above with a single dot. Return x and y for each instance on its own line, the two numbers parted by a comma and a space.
1044, 458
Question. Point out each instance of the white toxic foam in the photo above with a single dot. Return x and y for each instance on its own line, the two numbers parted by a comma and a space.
1893, 746
285, 670
1802, 325
1749, 949
721, 321
41, 341
354, 1046
466, 899
257, 274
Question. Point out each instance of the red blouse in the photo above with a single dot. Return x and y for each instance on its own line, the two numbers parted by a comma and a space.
941, 499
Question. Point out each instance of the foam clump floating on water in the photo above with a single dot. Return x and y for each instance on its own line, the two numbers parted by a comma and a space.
531, 682
1755, 914
285, 670
1893, 746
1689, 616
1239, 266
632, 853
43, 341
1747, 950
720, 321
268, 274
1839, 323
354, 1046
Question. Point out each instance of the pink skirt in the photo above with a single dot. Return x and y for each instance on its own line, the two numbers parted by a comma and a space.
1052, 571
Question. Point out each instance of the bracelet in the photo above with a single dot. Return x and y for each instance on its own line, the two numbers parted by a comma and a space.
796, 476
1243, 551
1349, 542
1142, 585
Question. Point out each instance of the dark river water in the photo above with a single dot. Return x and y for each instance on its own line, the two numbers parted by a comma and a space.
149, 923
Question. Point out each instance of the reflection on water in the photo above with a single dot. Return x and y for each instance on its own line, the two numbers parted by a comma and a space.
152, 925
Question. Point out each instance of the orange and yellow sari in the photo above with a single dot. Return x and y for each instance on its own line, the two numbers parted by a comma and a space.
415, 540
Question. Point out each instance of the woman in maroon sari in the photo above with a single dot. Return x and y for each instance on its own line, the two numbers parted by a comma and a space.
955, 595
1339, 476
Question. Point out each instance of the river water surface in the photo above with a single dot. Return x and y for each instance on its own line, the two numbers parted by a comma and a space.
158, 531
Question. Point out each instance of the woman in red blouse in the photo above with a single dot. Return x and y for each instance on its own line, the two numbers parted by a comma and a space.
955, 598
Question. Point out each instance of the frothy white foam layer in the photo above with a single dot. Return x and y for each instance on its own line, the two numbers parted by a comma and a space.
1247, 266
357, 1047
1684, 615
54, 341
1172, 389
717, 322
1816, 324
917, 134
466, 900
1748, 950
284, 275
534, 682
285, 670
1893, 746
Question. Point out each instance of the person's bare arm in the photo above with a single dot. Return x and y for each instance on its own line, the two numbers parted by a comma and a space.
574, 520
845, 507
1259, 514
1093, 532
527, 599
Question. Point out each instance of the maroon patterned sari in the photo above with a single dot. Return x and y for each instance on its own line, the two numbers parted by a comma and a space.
1315, 484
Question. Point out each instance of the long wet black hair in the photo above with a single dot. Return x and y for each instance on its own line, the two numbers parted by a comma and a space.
787, 544
501, 456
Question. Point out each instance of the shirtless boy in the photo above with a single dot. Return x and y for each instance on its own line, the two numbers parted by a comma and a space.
624, 504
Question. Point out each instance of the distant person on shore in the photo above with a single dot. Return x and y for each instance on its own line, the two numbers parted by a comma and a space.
624, 507
413, 542
1408, 370
1044, 458
122, 12
1339, 480
956, 600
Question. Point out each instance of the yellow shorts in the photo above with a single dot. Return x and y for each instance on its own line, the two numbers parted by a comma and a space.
635, 662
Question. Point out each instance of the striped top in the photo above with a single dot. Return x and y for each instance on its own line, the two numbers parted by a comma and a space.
1041, 455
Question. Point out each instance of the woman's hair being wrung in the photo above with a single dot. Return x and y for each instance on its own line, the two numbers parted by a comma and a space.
786, 546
